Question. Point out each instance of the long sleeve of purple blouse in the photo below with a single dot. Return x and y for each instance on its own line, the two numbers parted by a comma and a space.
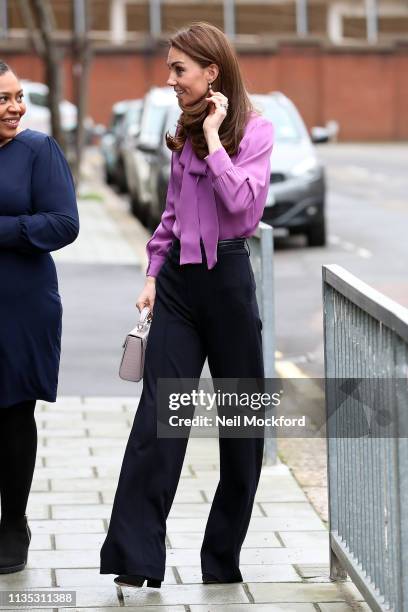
228, 202
239, 184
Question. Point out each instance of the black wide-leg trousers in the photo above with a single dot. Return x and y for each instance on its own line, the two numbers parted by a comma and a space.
197, 313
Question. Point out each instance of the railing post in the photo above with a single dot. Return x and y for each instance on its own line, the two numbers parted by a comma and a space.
155, 18
302, 27
118, 25
3, 19
402, 450
371, 7
261, 246
229, 18
337, 571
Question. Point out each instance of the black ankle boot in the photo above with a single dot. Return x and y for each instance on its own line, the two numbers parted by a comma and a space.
15, 537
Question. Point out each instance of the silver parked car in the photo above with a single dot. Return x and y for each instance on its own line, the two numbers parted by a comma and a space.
126, 139
297, 190
109, 141
155, 105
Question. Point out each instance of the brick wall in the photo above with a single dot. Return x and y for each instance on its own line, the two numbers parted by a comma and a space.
366, 91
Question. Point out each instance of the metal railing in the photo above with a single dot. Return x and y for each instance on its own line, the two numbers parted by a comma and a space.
366, 339
261, 248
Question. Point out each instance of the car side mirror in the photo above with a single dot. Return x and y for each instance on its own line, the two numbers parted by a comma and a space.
134, 131
323, 134
319, 134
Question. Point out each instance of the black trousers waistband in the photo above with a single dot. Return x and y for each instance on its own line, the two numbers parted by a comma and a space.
230, 244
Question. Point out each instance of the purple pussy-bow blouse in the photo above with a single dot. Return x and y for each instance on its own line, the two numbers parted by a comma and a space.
216, 198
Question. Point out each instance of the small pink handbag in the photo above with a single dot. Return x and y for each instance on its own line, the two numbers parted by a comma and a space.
134, 348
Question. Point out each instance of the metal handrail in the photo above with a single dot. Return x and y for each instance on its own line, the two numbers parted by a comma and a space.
366, 339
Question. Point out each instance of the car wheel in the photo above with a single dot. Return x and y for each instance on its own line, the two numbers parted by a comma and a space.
316, 234
121, 177
151, 223
134, 206
108, 176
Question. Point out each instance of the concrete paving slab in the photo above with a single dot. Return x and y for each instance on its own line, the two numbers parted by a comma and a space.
251, 573
298, 607
344, 607
79, 541
305, 538
30, 578
128, 608
92, 577
40, 541
252, 540
66, 526
186, 594
313, 593
73, 485
63, 559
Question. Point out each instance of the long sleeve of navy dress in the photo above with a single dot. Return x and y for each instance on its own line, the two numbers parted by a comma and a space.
38, 214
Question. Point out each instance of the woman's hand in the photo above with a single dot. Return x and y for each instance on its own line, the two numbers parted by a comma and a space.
148, 294
217, 111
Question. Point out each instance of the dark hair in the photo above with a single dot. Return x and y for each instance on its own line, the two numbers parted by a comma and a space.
206, 44
4, 67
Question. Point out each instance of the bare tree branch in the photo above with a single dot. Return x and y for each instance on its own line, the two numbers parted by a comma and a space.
29, 22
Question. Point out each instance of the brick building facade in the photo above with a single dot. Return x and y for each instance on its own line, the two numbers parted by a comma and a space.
331, 71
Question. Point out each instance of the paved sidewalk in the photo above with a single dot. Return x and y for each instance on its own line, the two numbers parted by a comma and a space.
284, 560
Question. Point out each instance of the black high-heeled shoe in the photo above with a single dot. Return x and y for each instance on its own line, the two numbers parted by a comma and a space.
15, 537
137, 581
210, 579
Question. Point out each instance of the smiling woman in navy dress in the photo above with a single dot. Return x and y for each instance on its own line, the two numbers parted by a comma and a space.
38, 214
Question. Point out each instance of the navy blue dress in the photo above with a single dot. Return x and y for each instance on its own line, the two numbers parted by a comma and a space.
38, 214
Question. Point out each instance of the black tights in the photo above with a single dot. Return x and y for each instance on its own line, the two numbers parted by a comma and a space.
18, 449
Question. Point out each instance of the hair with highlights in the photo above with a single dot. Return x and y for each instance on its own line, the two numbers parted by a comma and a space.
4, 67
207, 44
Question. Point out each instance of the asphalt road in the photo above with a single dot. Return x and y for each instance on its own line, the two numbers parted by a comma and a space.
367, 213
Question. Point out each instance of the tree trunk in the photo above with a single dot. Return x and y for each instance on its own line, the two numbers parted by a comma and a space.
52, 57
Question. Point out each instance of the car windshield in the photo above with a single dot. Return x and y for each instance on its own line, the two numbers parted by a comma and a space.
152, 124
170, 126
284, 121
171, 120
133, 115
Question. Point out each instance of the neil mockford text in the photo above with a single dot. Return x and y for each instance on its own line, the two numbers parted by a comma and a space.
252, 401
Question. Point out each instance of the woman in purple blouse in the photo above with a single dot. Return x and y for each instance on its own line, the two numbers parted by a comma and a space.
200, 288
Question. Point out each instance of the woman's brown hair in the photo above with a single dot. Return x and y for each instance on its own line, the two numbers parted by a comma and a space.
206, 44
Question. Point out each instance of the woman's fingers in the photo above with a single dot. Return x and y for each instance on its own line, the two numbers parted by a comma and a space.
142, 303
218, 101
